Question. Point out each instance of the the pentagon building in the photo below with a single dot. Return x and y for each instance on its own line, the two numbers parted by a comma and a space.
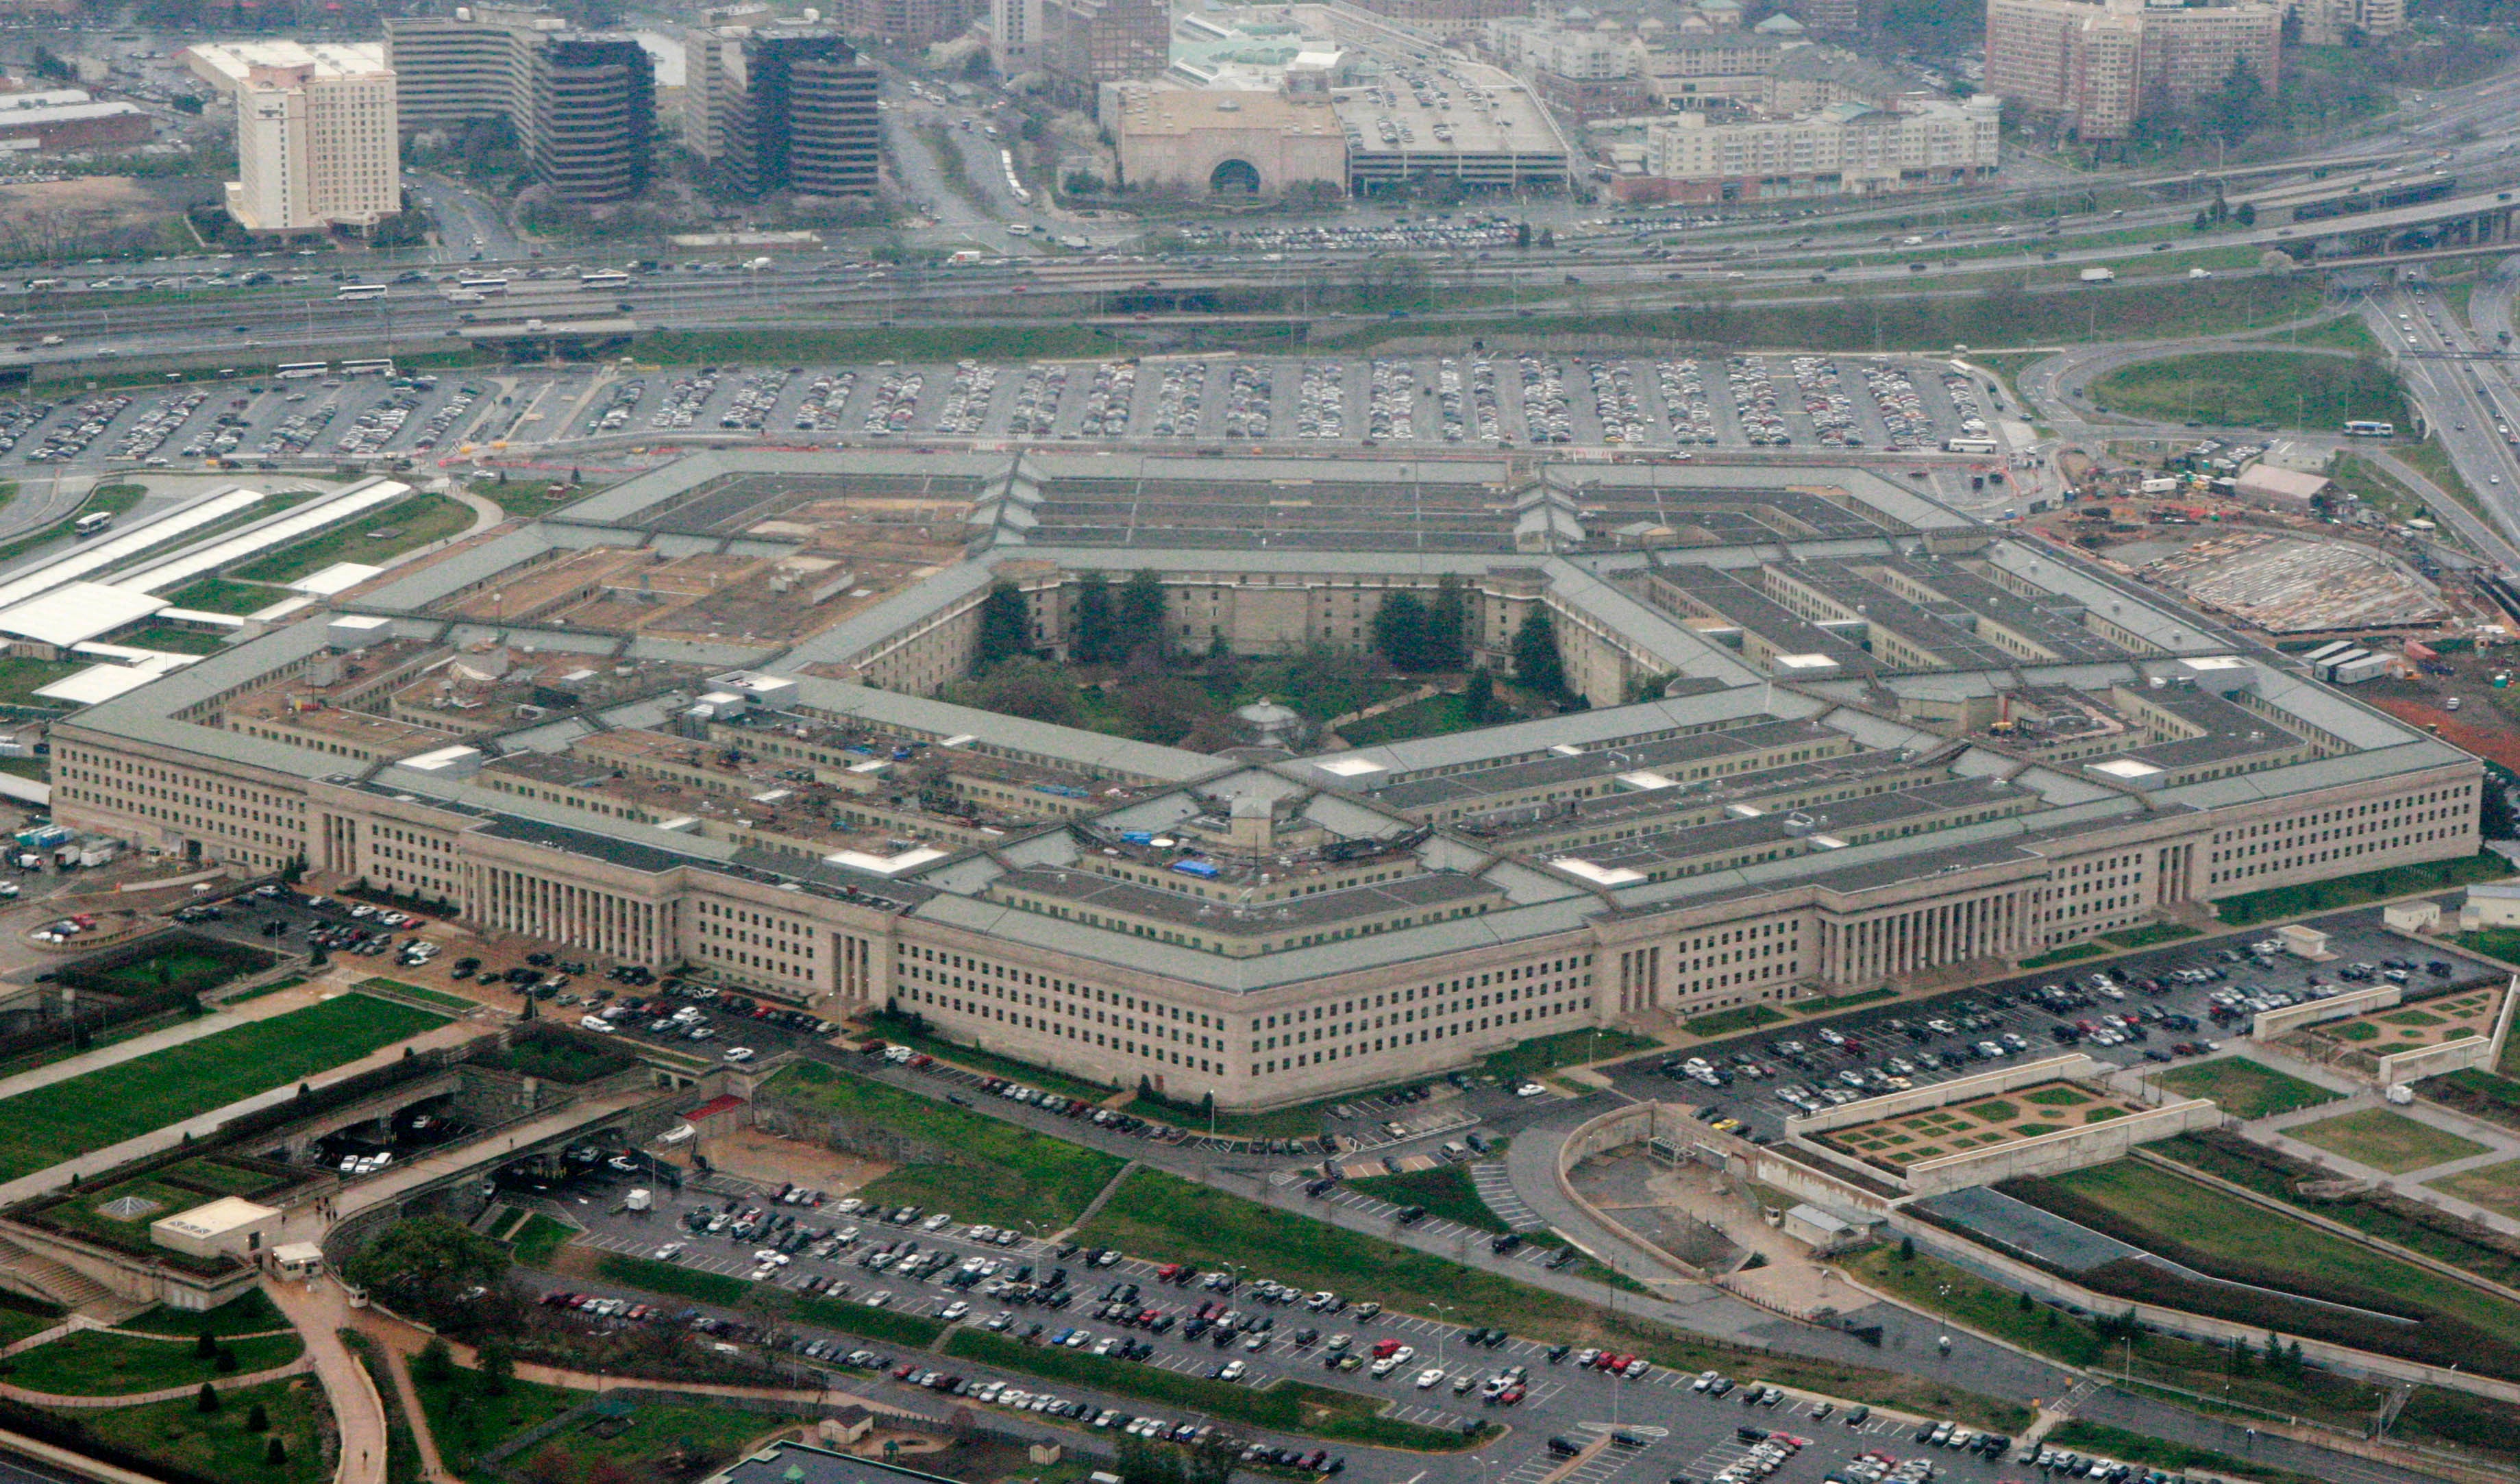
1836, 734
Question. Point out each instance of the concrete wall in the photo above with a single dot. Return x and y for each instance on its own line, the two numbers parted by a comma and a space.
2271, 1023
2065, 1149
2064, 1068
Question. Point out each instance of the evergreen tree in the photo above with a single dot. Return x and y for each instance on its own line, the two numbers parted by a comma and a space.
1478, 698
1093, 636
1139, 623
1535, 664
1006, 626
2494, 810
1448, 622
1400, 630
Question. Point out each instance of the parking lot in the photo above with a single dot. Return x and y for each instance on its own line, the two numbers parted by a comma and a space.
1674, 1426
1754, 1078
1477, 400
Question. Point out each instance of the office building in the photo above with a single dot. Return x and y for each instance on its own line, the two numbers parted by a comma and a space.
1014, 35
583, 105
1882, 743
318, 141
785, 109
2101, 65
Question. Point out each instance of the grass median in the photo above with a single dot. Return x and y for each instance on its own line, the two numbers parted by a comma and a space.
1164, 1218
45, 1126
982, 1169
1321, 1411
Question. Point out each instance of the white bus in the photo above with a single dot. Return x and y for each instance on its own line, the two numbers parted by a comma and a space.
2361, 427
90, 524
604, 278
360, 292
301, 371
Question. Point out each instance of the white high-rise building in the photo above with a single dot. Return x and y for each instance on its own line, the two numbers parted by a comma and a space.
318, 143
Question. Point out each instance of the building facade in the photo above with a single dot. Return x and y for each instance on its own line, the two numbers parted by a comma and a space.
583, 105
1843, 150
2103, 65
317, 136
785, 109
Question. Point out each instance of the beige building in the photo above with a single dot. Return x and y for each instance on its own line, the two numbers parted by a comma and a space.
318, 135
1228, 141
2102, 65
1843, 150
1819, 798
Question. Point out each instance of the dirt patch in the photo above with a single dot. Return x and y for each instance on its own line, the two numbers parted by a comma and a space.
752, 1154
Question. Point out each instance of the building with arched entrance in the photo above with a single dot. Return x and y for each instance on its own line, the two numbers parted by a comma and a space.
1232, 143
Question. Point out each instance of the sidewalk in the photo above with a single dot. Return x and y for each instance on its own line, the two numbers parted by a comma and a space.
320, 1311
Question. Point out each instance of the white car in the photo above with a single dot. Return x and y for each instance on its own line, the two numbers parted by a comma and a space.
1430, 1378
1529, 1090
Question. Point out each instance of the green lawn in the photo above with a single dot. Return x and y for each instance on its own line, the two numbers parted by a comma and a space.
20, 678
373, 538
2218, 1225
96, 1363
166, 638
1164, 1218
251, 1313
2385, 1140
1002, 1174
1726, 1022
41, 1128
901, 1030
1547, 1054
705, 1439
2247, 387
2244, 1088
219, 1446
423, 992
2342, 891
2065, 955
1321, 1411
1831, 1004
2152, 934
2134, 1448
467, 1422
539, 1240
219, 595
1445, 1192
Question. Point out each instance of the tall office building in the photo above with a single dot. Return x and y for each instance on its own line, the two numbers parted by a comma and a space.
583, 104
2102, 65
1014, 35
787, 108
317, 144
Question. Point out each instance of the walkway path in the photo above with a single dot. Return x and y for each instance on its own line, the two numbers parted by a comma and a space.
320, 1311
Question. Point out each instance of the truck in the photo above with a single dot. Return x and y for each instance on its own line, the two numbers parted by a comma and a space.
2099, 275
